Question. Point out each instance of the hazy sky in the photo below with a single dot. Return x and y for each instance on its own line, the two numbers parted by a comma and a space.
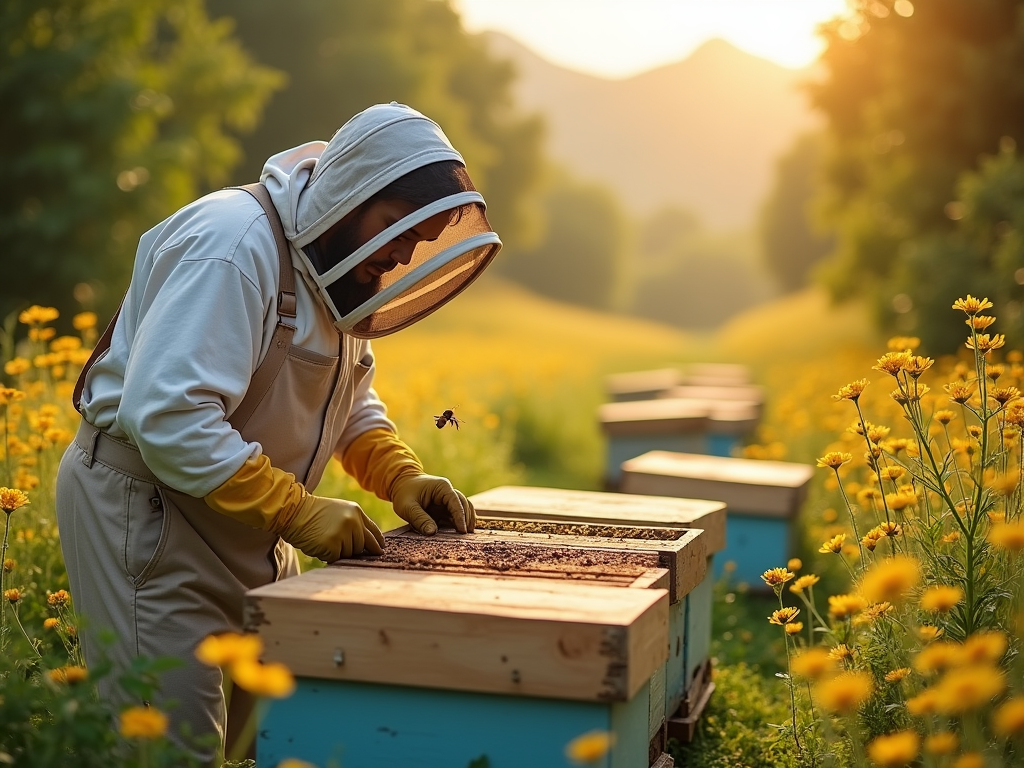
618, 38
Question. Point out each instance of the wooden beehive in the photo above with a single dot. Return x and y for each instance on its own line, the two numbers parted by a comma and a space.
762, 499
637, 426
641, 385
716, 374
435, 669
688, 684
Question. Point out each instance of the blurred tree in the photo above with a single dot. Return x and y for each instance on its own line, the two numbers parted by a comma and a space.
344, 55
686, 276
914, 93
115, 114
790, 242
580, 256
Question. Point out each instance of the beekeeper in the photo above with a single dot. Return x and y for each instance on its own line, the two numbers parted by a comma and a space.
239, 363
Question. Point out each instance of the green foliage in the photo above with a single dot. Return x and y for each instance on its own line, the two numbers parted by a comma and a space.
737, 729
342, 56
912, 102
580, 258
687, 276
115, 114
790, 242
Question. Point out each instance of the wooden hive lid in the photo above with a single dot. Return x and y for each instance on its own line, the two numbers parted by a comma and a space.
770, 488
522, 637
629, 385
745, 392
716, 373
652, 417
526, 503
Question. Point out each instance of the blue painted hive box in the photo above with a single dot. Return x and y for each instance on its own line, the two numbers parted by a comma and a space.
687, 685
762, 498
436, 670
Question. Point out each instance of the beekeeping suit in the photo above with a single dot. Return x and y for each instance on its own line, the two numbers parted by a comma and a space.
238, 365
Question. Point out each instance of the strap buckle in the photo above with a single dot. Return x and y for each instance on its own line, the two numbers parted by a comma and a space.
286, 304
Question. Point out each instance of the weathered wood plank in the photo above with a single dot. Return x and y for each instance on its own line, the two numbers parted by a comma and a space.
514, 502
652, 417
516, 636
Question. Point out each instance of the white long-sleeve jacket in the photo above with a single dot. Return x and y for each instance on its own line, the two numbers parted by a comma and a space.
196, 323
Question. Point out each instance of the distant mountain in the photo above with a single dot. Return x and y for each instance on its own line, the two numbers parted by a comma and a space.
702, 133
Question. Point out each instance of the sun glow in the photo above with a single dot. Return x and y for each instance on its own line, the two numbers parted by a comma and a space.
619, 38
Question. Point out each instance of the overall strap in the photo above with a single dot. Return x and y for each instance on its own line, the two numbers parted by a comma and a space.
279, 343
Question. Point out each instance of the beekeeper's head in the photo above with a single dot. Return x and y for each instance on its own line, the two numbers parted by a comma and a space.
390, 223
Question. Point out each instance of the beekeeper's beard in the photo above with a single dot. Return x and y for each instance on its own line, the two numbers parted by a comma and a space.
346, 291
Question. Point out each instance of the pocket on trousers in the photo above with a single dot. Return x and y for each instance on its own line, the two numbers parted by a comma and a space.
146, 524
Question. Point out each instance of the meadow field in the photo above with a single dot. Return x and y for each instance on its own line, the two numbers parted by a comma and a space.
525, 376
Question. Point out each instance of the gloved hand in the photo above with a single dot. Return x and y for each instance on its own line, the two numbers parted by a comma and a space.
383, 464
262, 496
423, 501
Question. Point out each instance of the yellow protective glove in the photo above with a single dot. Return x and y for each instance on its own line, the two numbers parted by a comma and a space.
383, 464
263, 496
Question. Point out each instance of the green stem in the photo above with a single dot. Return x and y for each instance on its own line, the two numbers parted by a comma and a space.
853, 516
792, 691
31, 645
3, 575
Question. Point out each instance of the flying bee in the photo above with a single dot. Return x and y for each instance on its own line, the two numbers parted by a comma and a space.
447, 416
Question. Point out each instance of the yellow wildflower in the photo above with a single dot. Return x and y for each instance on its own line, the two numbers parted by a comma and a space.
897, 675
996, 517
969, 760
895, 472
937, 656
844, 693
903, 343
270, 680
51, 623
959, 392
68, 675
83, 321
928, 633
783, 616
10, 564
891, 529
37, 315
794, 627
985, 646
227, 648
812, 663
12, 595
804, 582
143, 723
900, 500
916, 365
834, 545
841, 606
1004, 395
961, 690
794, 564
851, 391
971, 305
17, 366
12, 499
1008, 718
925, 703
841, 652
877, 433
590, 747
1005, 536
951, 538
834, 459
776, 577
941, 598
58, 598
941, 743
984, 343
876, 611
894, 750
944, 416
891, 579
892, 362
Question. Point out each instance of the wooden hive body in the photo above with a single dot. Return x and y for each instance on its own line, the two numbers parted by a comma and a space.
687, 672
434, 669
762, 497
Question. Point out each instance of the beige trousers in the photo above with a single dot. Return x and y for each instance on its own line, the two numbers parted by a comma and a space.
149, 582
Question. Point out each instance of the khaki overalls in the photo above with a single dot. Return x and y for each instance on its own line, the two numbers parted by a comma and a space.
160, 569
